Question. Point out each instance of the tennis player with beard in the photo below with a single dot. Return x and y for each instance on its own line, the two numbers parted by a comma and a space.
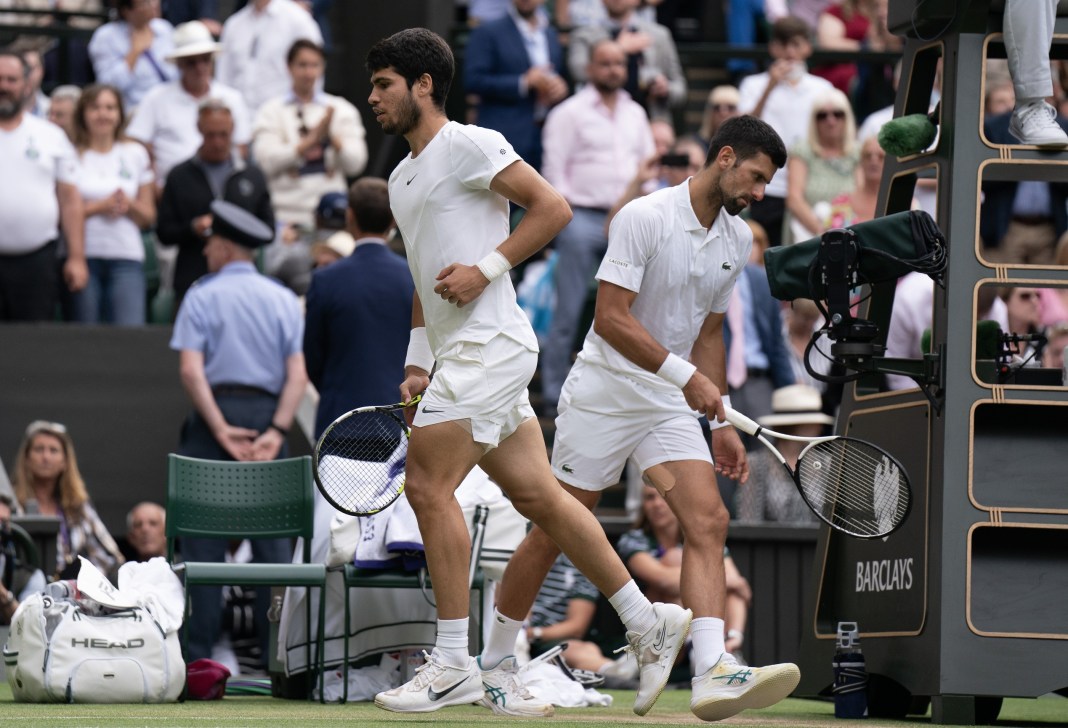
652, 363
450, 200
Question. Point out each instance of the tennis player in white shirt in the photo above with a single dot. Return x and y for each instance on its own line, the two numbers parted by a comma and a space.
653, 362
450, 200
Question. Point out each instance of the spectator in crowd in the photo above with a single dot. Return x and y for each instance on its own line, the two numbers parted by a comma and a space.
800, 320
858, 205
18, 579
215, 172
359, 313
1028, 27
594, 143
515, 66
654, 75
1000, 98
1057, 341
38, 195
238, 335
571, 14
771, 494
166, 120
722, 105
844, 25
177, 12
307, 142
256, 40
36, 101
131, 53
61, 106
480, 12
146, 533
656, 172
1021, 221
783, 96
47, 480
116, 183
562, 614
652, 551
336, 247
821, 167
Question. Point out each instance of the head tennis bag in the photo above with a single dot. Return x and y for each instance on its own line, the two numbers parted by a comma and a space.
59, 653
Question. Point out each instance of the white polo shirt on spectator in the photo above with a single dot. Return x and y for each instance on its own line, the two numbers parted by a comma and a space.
166, 121
125, 167
33, 158
255, 44
787, 111
680, 270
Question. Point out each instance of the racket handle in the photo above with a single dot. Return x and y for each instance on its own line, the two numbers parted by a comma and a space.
740, 421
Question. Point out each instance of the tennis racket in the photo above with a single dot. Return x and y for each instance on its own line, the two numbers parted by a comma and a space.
359, 460
853, 486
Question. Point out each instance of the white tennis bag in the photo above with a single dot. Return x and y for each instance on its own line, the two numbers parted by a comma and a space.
56, 652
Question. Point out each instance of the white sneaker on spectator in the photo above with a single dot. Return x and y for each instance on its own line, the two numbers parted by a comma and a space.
435, 686
729, 688
1036, 123
656, 651
504, 694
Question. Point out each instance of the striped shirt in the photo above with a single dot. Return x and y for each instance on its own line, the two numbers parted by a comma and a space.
564, 583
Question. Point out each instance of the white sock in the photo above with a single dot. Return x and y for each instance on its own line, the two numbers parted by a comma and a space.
633, 608
501, 643
1020, 103
451, 645
707, 636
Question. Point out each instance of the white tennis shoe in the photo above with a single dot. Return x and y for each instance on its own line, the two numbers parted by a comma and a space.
434, 686
728, 688
1036, 123
505, 694
656, 651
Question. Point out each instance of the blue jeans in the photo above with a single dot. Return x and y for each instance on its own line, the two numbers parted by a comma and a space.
115, 293
580, 245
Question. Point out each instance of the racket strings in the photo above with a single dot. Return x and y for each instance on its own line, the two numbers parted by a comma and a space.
855, 485
360, 462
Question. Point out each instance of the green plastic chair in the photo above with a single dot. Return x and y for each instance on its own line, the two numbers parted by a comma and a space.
356, 577
238, 500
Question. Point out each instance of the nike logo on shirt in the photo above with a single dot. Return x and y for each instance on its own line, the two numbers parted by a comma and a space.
413, 177
432, 411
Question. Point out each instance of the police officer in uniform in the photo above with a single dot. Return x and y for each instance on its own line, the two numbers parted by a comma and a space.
239, 335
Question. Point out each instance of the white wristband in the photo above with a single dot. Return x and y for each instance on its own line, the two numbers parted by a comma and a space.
676, 370
419, 353
716, 424
494, 265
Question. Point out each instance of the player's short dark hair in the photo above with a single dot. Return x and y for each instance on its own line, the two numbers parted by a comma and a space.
303, 44
748, 136
369, 202
413, 52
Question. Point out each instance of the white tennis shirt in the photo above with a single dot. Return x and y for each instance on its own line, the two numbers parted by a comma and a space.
447, 214
680, 270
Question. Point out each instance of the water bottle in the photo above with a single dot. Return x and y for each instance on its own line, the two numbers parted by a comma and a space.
850, 674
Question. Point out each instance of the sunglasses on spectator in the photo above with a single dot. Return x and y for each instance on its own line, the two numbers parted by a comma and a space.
823, 115
719, 108
45, 426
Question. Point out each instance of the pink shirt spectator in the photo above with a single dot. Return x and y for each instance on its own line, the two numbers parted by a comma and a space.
590, 153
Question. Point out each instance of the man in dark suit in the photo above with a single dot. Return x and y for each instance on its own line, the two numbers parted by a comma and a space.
1020, 222
359, 313
515, 65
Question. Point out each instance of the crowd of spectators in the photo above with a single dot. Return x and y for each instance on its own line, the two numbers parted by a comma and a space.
185, 107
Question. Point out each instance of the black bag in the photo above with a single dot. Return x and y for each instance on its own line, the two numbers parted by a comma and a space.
887, 248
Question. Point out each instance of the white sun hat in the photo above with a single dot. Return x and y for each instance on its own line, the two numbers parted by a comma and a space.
193, 39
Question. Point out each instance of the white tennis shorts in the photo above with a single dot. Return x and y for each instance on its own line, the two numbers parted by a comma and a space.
606, 417
482, 384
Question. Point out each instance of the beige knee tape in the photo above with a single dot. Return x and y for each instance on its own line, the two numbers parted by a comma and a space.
660, 478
